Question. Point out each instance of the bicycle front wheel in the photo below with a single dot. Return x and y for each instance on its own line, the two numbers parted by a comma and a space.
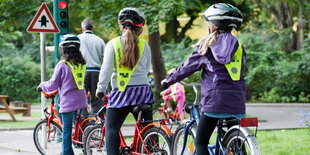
178, 141
94, 142
50, 141
159, 114
236, 142
156, 141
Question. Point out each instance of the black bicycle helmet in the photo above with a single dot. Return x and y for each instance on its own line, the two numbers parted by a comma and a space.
69, 41
224, 16
131, 17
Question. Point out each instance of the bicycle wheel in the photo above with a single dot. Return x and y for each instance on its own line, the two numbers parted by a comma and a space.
53, 142
156, 140
159, 114
237, 143
178, 140
86, 128
92, 141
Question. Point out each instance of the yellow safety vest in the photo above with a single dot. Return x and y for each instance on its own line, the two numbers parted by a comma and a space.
123, 72
78, 73
234, 67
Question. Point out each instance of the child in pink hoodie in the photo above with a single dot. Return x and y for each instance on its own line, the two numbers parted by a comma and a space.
176, 92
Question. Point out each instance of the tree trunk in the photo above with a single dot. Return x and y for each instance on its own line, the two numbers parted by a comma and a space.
157, 59
171, 30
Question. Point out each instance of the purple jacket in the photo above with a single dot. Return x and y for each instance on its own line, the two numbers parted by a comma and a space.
219, 94
70, 97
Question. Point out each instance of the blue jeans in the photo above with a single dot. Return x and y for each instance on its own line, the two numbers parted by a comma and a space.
68, 120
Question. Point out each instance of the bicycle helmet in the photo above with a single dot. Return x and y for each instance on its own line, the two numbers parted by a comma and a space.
131, 17
224, 16
69, 41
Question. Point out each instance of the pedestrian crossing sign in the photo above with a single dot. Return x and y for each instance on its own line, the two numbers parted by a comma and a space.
43, 21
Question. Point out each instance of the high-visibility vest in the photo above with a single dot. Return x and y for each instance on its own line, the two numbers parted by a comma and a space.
78, 73
123, 72
234, 67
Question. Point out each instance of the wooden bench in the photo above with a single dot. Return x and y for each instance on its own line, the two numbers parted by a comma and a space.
14, 107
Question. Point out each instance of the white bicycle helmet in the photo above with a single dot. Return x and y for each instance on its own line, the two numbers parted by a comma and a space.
69, 41
224, 16
131, 17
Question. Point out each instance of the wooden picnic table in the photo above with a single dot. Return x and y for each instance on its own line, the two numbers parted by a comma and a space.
6, 107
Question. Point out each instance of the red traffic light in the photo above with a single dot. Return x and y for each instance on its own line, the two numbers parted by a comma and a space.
62, 4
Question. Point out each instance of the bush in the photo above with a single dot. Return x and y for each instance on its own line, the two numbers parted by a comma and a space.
19, 78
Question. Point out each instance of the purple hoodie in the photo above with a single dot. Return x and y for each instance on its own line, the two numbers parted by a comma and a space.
219, 94
70, 97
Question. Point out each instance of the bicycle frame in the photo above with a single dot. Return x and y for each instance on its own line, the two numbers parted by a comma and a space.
79, 123
138, 132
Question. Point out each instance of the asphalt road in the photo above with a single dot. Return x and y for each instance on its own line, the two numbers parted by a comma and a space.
272, 116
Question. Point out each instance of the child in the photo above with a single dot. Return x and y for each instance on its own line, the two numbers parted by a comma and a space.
68, 77
176, 92
221, 58
127, 60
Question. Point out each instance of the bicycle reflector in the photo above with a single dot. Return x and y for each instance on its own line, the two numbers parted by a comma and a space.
249, 122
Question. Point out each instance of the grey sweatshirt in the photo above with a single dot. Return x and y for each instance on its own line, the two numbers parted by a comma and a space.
108, 70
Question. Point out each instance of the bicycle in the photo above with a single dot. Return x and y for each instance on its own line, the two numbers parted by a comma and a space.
152, 138
238, 139
163, 113
49, 142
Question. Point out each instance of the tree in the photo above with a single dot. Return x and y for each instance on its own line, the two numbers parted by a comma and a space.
287, 14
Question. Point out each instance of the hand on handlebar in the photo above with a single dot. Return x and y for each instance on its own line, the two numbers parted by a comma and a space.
39, 89
164, 84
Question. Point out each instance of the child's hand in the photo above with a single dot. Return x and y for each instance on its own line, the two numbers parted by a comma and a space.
164, 84
39, 89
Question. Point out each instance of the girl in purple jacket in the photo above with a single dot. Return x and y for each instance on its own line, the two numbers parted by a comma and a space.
68, 78
221, 59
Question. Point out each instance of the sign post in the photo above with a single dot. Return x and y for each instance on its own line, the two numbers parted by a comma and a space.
43, 22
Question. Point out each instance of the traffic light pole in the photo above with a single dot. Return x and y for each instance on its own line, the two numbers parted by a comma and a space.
56, 35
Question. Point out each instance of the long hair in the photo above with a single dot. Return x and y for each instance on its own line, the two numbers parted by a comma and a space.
73, 55
206, 41
131, 53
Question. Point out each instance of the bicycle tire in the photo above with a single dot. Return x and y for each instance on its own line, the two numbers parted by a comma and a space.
159, 115
86, 128
92, 141
156, 141
52, 144
178, 140
237, 142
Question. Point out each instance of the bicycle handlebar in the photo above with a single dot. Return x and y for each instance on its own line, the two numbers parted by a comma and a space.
193, 84
49, 95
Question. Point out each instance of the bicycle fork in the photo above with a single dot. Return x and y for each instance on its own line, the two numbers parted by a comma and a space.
186, 131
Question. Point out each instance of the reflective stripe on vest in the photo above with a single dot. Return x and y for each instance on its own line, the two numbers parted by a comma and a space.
78, 73
234, 67
124, 73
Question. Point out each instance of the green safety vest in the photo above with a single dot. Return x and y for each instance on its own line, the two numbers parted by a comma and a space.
234, 67
123, 72
78, 73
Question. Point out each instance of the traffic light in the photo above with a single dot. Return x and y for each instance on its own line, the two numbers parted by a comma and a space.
62, 14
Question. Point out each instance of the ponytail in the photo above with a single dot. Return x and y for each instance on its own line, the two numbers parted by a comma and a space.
131, 53
206, 41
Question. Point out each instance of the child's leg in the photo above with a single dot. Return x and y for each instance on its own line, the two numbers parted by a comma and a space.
180, 108
67, 119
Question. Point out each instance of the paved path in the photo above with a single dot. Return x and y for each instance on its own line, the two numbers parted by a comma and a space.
272, 116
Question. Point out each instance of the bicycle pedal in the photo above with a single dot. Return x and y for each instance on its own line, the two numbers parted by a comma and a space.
125, 150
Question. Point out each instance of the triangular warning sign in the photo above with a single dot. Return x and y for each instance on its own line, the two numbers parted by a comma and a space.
43, 21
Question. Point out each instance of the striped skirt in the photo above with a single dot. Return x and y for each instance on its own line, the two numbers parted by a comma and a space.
132, 95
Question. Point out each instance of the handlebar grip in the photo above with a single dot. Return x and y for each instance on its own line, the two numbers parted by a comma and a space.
100, 95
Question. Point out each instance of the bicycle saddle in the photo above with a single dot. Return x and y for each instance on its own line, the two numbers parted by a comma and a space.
143, 107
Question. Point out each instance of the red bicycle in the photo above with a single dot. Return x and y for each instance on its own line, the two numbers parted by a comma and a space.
47, 134
153, 138
164, 112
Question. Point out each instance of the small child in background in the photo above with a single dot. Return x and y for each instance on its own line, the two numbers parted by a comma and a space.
176, 92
